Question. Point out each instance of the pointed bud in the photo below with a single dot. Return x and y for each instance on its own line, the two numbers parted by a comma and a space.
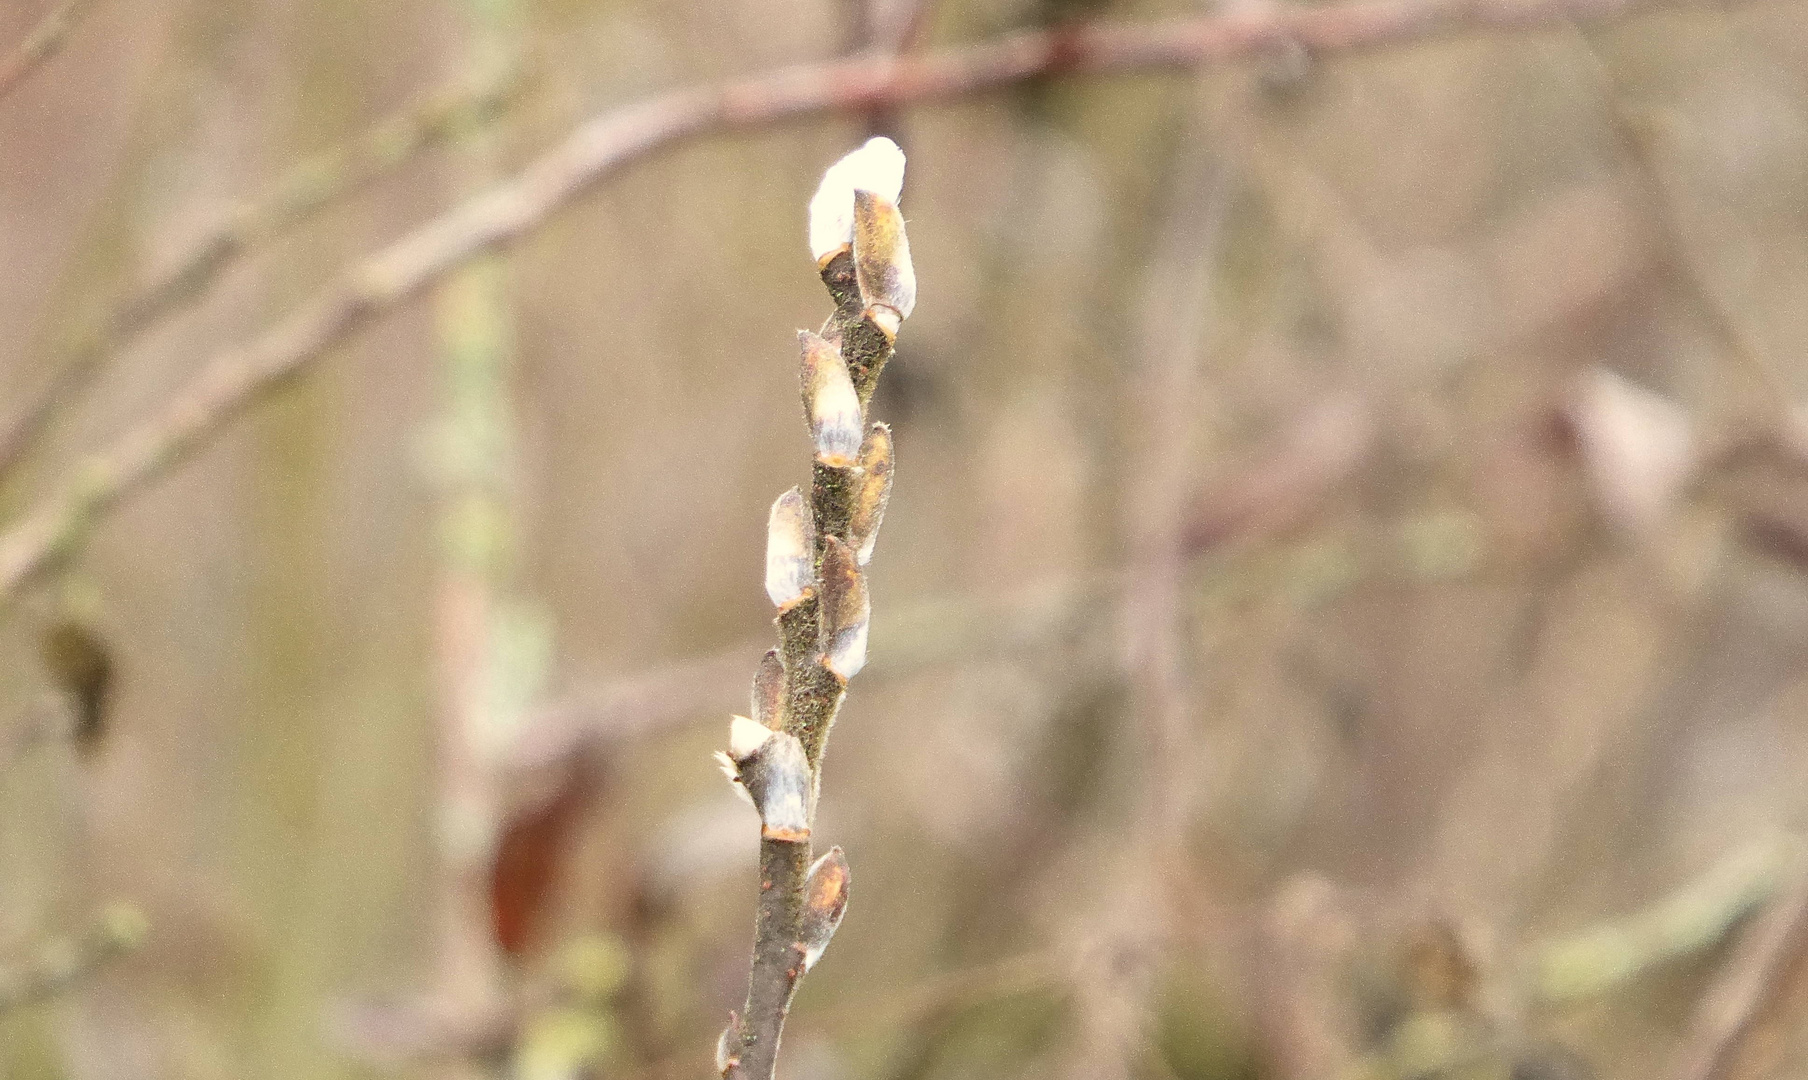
728, 1049
769, 692
845, 610
888, 282
872, 494
790, 549
877, 167
825, 901
771, 768
830, 403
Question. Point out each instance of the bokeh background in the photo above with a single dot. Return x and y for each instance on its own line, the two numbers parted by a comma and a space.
1343, 611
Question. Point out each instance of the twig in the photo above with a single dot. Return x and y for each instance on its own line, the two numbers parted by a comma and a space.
1639, 145
61, 962
483, 679
1694, 917
237, 376
325, 179
817, 547
1731, 1009
1162, 401
43, 42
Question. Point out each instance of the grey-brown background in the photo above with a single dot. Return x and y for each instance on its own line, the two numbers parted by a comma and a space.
1471, 635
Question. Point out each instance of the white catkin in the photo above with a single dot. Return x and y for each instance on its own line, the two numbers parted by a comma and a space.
878, 167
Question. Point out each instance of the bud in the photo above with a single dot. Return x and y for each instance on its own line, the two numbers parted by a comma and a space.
769, 692
770, 768
728, 1049
790, 550
844, 612
877, 167
825, 901
872, 493
830, 403
888, 282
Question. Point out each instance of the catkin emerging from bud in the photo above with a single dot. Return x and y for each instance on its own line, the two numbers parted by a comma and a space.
877, 167
771, 769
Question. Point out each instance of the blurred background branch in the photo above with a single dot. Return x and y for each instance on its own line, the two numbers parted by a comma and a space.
45, 40
291, 201
234, 377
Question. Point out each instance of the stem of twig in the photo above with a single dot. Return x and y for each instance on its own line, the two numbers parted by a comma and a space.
1162, 406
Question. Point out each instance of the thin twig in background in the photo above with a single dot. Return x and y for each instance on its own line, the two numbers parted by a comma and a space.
314, 184
1693, 918
1163, 401
61, 962
1278, 487
45, 40
481, 691
237, 376
1639, 144
1730, 1012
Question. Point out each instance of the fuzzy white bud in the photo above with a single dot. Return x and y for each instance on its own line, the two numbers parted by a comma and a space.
728, 1049
873, 494
770, 768
790, 550
877, 167
769, 691
830, 403
882, 266
825, 902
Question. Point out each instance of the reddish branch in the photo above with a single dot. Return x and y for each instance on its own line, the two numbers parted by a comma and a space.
237, 376
239, 230
45, 40
1729, 1015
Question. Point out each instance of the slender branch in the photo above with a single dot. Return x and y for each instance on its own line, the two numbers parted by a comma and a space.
817, 546
1694, 917
1640, 144
61, 962
237, 376
477, 667
1730, 1012
1162, 407
314, 184
43, 42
